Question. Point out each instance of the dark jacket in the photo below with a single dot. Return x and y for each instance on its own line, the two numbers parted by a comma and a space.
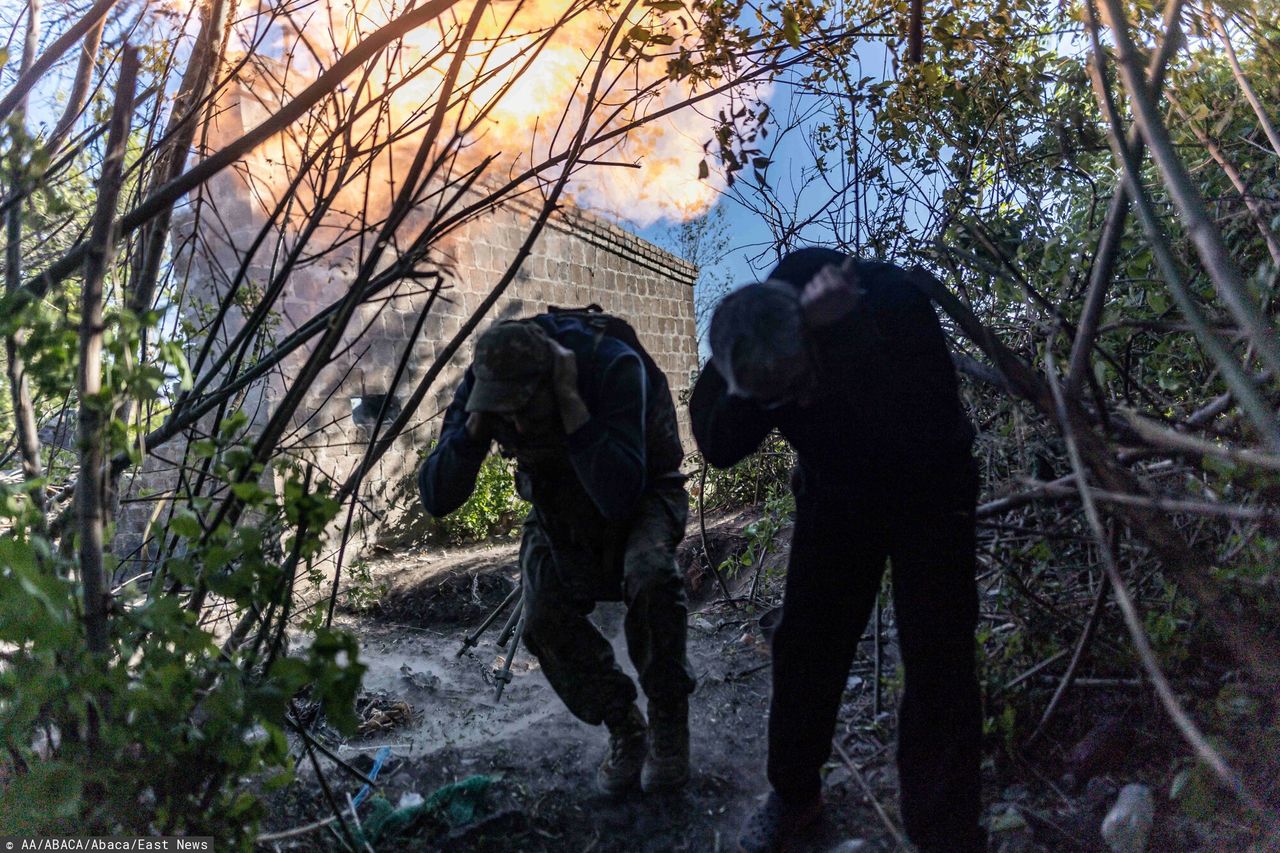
886, 414
599, 471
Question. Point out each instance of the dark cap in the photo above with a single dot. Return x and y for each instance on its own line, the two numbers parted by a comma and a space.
511, 359
758, 340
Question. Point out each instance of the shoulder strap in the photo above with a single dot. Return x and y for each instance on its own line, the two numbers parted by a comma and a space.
603, 324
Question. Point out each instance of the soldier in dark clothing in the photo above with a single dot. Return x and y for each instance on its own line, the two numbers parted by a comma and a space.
847, 360
590, 422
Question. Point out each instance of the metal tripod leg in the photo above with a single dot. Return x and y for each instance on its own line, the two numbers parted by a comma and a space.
504, 677
511, 623
472, 639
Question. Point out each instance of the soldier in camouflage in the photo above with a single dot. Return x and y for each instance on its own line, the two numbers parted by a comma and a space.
589, 419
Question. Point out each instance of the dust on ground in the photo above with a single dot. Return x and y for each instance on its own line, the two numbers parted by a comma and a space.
435, 711
542, 758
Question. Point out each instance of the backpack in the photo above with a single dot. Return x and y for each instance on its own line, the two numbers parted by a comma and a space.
615, 327
665, 449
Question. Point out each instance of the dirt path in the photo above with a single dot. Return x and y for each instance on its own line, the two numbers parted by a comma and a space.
544, 759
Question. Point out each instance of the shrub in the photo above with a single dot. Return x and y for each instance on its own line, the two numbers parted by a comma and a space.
494, 508
752, 480
158, 733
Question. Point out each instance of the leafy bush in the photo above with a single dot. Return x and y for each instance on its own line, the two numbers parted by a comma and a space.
494, 508
158, 734
754, 479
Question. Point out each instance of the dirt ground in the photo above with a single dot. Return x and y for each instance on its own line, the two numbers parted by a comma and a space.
542, 761
542, 758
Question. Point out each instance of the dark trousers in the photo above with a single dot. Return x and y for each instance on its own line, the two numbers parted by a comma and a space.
562, 585
838, 555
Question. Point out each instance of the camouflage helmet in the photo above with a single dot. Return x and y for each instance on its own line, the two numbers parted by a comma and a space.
512, 358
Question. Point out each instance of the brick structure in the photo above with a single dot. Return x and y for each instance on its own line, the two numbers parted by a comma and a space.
578, 259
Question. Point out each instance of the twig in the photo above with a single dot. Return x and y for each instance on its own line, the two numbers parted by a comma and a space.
1243, 82
30, 76
999, 506
1204, 234
1256, 210
347, 837
151, 206
1082, 647
1233, 373
1244, 635
1117, 214
755, 578
1155, 434
269, 837
875, 803
1133, 621
91, 509
1047, 662
702, 529
1168, 505
328, 753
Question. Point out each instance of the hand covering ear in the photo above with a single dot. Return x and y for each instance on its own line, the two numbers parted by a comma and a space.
832, 294
564, 381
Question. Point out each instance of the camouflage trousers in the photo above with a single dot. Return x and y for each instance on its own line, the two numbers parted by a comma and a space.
562, 584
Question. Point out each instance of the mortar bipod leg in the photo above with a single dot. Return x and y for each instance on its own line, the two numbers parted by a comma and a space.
511, 623
504, 678
878, 662
473, 638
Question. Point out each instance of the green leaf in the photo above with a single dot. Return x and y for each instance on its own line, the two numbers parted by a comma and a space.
43, 800
232, 424
790, 27
204, 448
186, 524
237, 458
250, 493
1157, 301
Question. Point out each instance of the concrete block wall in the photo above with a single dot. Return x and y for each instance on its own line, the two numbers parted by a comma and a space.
578, 259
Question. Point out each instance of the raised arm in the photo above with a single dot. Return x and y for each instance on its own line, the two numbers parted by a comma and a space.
726, 428
446, 479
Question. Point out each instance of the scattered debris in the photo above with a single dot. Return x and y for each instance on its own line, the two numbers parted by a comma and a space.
421, 680
1128, 824
379, 712
449, 808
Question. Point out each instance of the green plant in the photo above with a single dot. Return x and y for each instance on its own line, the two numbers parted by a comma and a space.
779, 509
493, 509
157, 733
363, 591
753, 479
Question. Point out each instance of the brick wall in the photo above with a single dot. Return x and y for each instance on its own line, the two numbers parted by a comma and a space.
578, 259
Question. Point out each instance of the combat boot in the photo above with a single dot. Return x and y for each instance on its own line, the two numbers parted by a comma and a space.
620, 770
666, 767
